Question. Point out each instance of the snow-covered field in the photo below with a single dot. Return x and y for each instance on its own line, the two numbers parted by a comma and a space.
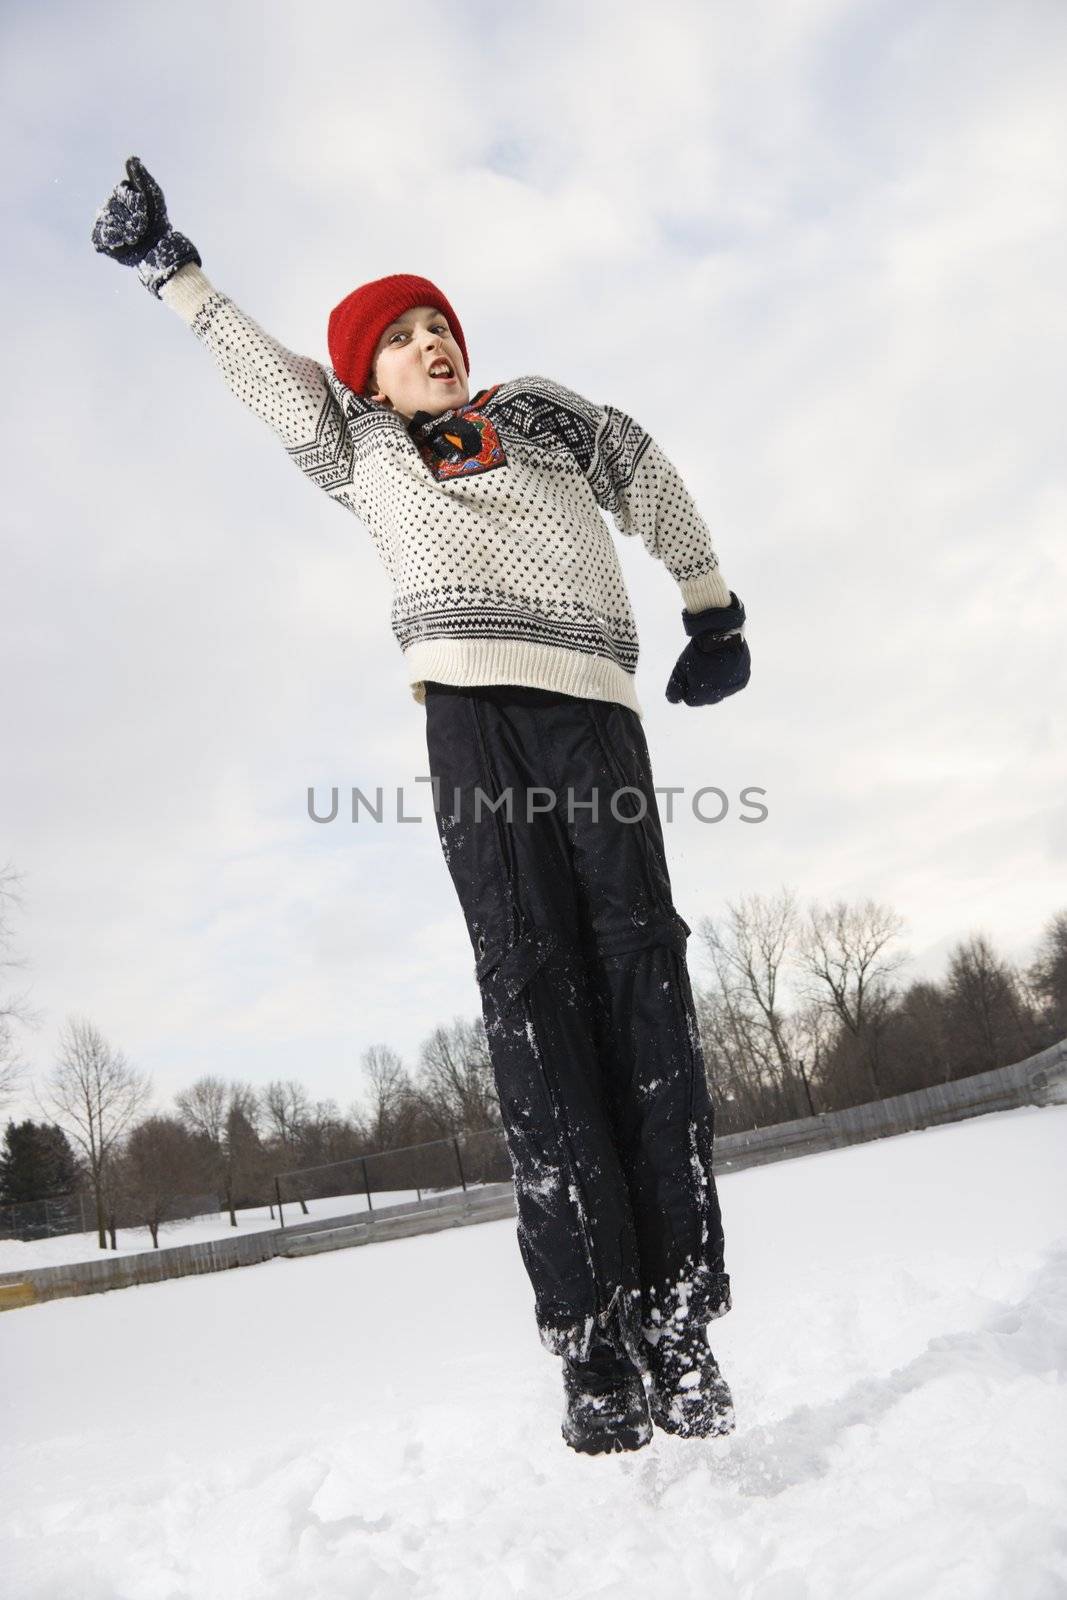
19, 1254
382, 1423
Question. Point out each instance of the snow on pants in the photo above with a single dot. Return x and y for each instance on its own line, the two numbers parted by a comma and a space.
580, 957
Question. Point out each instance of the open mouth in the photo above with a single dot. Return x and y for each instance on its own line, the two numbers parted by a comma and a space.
441, 372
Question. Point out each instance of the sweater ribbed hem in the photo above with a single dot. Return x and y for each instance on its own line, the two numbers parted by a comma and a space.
470, 662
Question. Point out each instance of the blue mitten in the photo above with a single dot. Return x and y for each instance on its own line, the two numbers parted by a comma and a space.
716, 662
132, 228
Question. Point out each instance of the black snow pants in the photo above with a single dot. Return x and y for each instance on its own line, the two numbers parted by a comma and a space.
580, 957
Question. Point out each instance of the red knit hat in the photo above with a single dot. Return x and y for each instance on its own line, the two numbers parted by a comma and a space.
362, 317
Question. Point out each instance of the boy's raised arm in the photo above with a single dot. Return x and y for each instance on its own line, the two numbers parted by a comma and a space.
291, 393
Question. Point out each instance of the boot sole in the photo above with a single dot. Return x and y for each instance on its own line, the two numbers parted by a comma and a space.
611, 1443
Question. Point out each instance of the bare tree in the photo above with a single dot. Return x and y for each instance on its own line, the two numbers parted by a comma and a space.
1048, 976
844, 952
12, 1068
15, 1009
988, 1014
920, 1034
326, 1137
247, 1160
729, 1061
389, 1087
749, 949
94, 1094
455, 1080
225, 1116
202, 1108
161, 1162
811, 1030
287, 1108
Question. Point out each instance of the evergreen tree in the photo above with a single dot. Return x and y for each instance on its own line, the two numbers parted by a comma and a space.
36, 1161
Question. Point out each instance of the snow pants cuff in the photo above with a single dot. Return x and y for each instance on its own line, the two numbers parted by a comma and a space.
621, 1322
699, 1297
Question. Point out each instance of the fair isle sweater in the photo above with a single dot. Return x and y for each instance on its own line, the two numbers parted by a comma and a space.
488, 518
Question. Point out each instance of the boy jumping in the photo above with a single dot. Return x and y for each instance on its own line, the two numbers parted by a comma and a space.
520, 642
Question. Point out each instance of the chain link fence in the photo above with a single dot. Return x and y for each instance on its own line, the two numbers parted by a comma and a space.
76, 1213
465, 1161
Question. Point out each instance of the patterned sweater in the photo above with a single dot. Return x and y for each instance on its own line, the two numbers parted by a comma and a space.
488, 518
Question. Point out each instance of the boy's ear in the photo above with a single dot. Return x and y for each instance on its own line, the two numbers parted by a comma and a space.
372, 391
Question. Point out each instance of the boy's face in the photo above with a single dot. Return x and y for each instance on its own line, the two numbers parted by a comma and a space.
409, 348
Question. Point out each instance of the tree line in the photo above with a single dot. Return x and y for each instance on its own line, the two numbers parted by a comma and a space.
808, 1010
804, 1010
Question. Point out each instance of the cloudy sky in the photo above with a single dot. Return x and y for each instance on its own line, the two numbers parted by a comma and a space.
816, 247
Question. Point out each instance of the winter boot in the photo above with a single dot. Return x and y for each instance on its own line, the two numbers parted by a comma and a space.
689, 1395
606, 1404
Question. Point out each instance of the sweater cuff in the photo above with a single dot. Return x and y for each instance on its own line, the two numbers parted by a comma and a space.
700, 594
187, 291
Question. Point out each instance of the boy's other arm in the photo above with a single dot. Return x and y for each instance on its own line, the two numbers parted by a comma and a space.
644, 492
635, 482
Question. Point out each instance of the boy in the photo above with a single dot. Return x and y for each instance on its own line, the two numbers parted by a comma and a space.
519, 640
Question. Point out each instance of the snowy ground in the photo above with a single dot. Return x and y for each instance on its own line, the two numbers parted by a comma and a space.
382, 1424
19, 1254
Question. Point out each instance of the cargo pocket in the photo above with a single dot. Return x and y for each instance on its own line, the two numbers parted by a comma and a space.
505, 971
520, 1036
